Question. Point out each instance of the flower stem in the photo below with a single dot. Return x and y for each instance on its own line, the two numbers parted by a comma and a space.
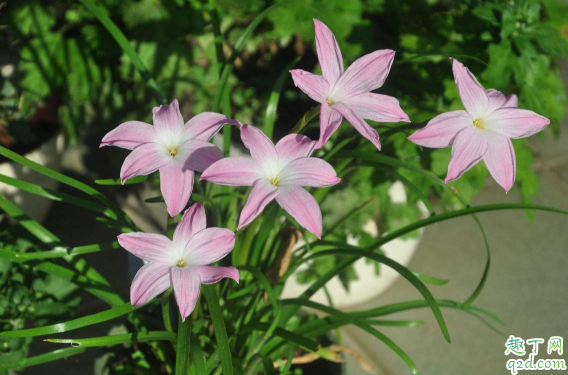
307, 117
182, 347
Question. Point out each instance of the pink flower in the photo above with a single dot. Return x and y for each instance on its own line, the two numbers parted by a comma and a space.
276, 173
181, 262
348, 94
175, 149
482, 131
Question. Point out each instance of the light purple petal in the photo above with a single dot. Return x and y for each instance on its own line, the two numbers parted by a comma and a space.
515, 123
294, 146
233, 171
209, 245
500, 161
260, 146
314, 86
472, 94
129, 135
442, 129
168, 121
366, 74
187, 285
198, 155
205, 125
330, 120
512, 101
176, 185
150, 280
377, 107
212, 275
143, 160
192, 221
261, 194
468, 148
308, 172
359, 124
329, 54
302, 207
498, 100
147, 246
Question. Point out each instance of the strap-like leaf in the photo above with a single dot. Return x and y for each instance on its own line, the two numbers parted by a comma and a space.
219, 328
123, 338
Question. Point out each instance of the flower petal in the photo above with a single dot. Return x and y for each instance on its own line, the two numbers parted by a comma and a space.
330, 120
129, 135
472, 94
150, 280
377, 107
261, 194
498, 100
168, 121
260, 146
212, 275
192, 221
176, 185
187, 285
468, 148
512, 101
442, 129
205, 125
314, 86
294, 146
302, 207
143, 160
233, 171
147, 246
308, 172
359, 124
515, 123
329, 54
500, 161
366, 74
198, 155
209, 245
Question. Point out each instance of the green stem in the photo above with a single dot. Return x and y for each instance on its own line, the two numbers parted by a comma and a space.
182, 346
306, 118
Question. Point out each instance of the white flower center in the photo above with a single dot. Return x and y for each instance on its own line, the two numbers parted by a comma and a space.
478, 124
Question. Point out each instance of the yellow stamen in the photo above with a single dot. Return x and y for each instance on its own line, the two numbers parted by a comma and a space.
181, 263
477, 123
328, 101
173, 152
274, 181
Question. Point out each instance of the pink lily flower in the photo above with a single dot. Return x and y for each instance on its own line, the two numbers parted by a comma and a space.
348, 93
182, 262
276, 173
175, 149
483, 131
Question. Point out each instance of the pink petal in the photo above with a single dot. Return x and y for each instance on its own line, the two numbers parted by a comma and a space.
314, 86
147, 246
209, 245
498, 100
129, 135
205, 125
359, 124
367, 73
212, 275
515, 123
176, 185
260, 146
329, 54
468, 148
442, 129
302, 207
186, 289
150, 280
512, 101
168, 121
308, 172
193, 221
500, 161
330, 120
472, 94
198, 155
294, 146
377, 107
261, 194
233, 171
143, 160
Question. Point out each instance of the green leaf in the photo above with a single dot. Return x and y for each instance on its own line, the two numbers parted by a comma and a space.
118, 181
219, 328
286, 335
42, 358
183, 346
125, 338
